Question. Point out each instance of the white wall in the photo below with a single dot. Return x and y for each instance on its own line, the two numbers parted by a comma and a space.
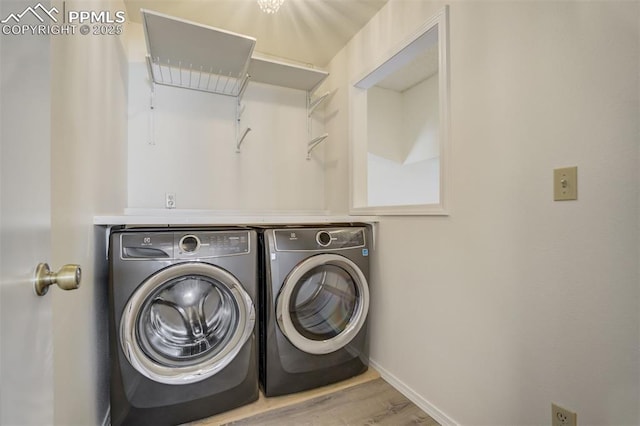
193, 150
385, 124
422, 110
336, 149
403, 165
89, 86
404, 126
515, 301
393, 184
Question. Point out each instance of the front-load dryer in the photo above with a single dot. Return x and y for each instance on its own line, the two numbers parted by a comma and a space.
314, 306
182, 323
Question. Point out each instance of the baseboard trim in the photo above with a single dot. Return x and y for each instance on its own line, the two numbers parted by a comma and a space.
437, 414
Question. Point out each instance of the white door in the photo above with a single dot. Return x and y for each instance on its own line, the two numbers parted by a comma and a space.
26, 357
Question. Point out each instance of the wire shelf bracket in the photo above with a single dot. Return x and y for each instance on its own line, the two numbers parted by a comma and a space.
240, 107
313, 143
312, 105
152, 106
241, 139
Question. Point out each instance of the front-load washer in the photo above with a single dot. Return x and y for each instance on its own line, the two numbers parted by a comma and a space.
183, 342
314, 306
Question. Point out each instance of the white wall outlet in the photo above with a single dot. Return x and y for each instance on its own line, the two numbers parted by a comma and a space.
170, 200
562, 417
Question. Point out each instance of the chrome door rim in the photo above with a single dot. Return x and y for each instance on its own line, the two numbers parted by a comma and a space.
321, 347
210, 366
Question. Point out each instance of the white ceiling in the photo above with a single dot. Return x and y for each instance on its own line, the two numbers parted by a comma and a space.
306, 31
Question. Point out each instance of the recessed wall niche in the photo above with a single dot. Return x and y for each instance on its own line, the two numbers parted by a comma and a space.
400, 122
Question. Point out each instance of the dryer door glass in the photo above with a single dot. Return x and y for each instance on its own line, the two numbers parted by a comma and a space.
186, 323
323, 303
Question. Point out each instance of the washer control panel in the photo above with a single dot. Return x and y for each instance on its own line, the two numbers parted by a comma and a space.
183, 244
314, 239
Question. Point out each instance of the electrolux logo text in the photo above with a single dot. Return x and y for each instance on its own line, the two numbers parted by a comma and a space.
40, 20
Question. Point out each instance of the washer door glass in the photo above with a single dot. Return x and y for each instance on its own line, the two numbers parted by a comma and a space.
186, 323
323, 304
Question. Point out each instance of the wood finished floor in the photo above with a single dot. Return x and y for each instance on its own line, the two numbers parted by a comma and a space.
369, 401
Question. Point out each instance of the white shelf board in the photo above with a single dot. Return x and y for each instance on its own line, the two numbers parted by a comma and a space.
211, 218
280, 73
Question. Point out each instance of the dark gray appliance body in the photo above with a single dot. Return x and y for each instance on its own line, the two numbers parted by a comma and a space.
314, 298
183, 323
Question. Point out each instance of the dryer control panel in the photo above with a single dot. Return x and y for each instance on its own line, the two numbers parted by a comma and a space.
319, 239
183, 245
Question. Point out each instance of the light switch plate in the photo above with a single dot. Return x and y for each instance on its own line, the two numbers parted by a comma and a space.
565, 184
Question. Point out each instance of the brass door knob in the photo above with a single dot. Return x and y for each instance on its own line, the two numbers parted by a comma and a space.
68, 278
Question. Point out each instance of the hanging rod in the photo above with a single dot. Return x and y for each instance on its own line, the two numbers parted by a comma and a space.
313, 143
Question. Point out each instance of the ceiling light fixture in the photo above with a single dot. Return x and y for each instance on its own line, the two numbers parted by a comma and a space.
270, 6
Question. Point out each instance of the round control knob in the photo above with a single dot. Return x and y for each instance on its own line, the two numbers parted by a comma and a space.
323, 238
189, 243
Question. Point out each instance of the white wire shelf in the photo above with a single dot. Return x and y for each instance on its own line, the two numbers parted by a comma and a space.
194, 56
187, 77
189, 55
